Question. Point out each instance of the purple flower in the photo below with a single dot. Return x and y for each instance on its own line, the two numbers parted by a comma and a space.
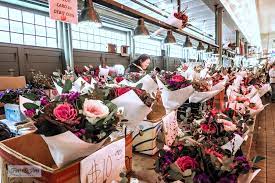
44, 100
228, 179
1, 94
80, 133
241, 159
201, 178
70, 97
29, 112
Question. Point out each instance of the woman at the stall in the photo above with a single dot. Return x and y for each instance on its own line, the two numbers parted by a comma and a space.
140, 64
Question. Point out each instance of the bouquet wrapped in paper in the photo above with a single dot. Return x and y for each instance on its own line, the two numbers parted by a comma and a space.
146, 82
175, 90
204, 90
73, 124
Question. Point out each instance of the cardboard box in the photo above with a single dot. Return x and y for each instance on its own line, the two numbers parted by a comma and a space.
7, 82
31, 149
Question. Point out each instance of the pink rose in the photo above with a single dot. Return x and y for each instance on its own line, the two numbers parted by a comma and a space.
66, 113
177, 78
94, 109
186, 162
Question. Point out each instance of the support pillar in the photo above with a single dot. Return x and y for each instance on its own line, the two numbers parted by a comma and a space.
65, 43
218, 29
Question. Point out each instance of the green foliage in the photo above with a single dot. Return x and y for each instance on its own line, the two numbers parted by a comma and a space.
67, 86
30, 106
257, 159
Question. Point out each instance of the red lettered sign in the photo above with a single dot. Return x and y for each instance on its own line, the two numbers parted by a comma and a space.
64, 10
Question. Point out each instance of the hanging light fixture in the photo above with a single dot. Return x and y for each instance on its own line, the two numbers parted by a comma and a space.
169, 39
141, 30
200, 47
89, 14
216, 52
209, 49
188, 43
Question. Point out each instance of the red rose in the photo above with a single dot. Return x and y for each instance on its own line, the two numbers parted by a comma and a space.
119, 79
208, 128
87, 79
177, 78
121, 91
186, 162
66, 113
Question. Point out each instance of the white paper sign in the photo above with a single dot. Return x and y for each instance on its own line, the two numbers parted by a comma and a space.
105, 165
234, 144
170, 126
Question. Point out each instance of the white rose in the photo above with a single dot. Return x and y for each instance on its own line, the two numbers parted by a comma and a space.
94, 110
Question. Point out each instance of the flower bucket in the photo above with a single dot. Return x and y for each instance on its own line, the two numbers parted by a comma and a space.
13, 113
145, 139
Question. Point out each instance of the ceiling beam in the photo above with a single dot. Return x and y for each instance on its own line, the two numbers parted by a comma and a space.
136, 14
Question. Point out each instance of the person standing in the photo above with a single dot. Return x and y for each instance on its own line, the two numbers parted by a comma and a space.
140, 64
272, 81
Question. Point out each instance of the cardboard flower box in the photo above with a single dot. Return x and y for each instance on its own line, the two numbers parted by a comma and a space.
17, 151
8, 82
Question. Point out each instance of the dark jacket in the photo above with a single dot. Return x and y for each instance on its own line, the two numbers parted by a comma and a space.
133, 68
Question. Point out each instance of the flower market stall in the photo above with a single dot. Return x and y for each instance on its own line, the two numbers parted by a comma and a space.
113, 119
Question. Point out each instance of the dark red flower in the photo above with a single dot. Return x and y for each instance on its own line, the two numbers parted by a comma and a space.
208, 128
121, 91
177, 78
119, 79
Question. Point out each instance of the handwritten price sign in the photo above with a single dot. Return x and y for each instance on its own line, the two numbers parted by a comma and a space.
105, 165
64, 10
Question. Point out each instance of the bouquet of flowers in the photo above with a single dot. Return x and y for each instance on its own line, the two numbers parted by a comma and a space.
41, 81
202, 165
174, 81
12, 96
207, 150
175, 90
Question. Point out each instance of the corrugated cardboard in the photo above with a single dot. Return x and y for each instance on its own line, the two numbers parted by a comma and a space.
7, 82
17, 151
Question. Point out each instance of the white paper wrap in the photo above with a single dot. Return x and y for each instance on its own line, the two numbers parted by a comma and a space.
247, 178
203, 96
148, 84
264, 89
67, 147
134, 108
174, 99
81, 86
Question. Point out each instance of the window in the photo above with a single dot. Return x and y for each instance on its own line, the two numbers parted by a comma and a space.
22, 27
92, 38
176, 51
148, 46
